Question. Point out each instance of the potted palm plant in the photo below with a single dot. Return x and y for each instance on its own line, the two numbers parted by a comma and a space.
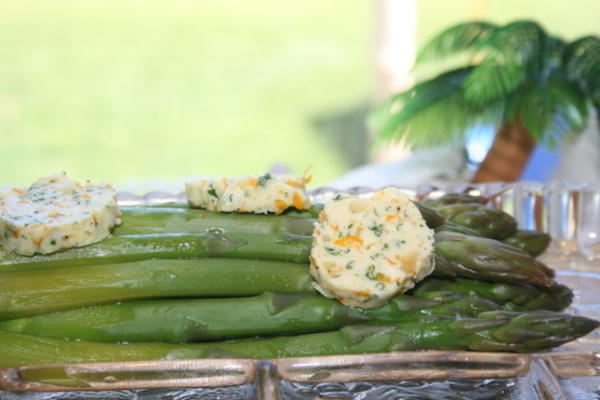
533, 87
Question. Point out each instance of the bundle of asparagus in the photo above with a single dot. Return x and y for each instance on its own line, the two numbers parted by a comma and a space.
171, 275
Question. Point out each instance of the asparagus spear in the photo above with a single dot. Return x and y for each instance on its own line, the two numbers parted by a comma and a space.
119, 249
492, 260
488, 222
454, 198
62, 288
169, 232
532, 242
486, 259
492, 331
148, 220
218, 243
130, 248
144, 220
432, 218
35, 292
189, 320
556, 297
452, 227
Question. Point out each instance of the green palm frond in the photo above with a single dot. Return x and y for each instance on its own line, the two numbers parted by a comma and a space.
454, 40
518, 73
553, 52
551, 112
511, 54
490, 81
521, 42
581, 59
433, 112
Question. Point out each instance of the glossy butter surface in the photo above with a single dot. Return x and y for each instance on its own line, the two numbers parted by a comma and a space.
366, 250
251, 194
56, 213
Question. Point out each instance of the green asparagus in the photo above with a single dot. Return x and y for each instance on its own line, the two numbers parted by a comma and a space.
488, 222
456, 256
170, 232
491, 331
556, 297
149, 220
160, 242
452, 227
311, 212
454, 198
120, 249
35, 292
491, 260
432, 218
190, 320
532, 242
486, 259
113, 249
118, 269
160, 220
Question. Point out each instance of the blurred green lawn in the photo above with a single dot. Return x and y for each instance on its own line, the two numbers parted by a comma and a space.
132, 90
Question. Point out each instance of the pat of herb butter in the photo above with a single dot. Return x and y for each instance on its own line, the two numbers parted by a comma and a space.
367, 250
251, 194
56, 213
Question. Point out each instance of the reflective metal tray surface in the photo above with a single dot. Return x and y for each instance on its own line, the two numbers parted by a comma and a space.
570, 213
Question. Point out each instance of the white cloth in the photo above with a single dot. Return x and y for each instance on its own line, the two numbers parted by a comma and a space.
580, 159
424, 166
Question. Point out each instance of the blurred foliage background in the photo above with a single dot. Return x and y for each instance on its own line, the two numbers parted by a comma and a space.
133, 90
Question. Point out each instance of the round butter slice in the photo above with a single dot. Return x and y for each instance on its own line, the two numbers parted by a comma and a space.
250, 194
367, 250
56, 213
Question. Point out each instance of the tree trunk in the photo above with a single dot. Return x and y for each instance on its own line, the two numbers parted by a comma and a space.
506, 159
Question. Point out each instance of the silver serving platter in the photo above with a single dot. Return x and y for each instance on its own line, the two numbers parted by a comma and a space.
570, 213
